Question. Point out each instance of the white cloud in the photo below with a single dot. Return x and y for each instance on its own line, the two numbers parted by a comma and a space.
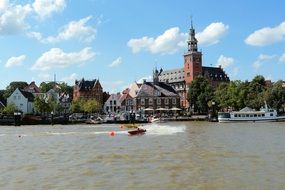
45, 8
73, 30
267, 36
172, 40
282, 58
166, 43
3, 5
56, 57
225, 61
116, 62
12, 18
212, 33
15, 61
261, 59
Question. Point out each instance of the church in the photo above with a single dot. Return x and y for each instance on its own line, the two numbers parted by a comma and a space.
180, 78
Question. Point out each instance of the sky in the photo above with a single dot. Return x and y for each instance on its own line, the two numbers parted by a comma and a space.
122, 41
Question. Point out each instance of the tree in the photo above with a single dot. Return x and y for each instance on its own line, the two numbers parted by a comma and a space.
45, 87
90, 106
232, 94
41, 106
10, 108
256, 92
275, 96
13, 86
200, 93
77, 106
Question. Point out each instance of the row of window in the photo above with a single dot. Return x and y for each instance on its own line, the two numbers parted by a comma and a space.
158, 101
251, 115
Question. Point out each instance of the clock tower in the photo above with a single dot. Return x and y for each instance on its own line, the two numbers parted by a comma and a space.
192, 58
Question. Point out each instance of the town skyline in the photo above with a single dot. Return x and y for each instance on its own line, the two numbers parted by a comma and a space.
122, 43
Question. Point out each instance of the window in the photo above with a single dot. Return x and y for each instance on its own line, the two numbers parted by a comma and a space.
166, 101
115, 102
150, 101
188, 74
173, 101
142, 101
158, 101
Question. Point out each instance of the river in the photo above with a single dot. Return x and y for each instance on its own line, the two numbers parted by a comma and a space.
174, 155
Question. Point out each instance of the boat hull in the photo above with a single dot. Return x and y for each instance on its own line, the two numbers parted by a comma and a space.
137, 132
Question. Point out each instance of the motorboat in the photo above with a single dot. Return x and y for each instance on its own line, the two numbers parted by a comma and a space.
138, 131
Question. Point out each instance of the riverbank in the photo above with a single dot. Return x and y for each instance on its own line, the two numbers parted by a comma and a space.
37, 120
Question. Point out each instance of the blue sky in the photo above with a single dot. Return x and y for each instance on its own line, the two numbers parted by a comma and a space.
120, 41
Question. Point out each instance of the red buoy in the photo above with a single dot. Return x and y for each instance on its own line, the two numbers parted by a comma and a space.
112, 133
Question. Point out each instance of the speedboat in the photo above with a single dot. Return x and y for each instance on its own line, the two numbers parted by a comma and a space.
138, 131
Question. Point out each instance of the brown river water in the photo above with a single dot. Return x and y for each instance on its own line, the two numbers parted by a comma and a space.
175, 155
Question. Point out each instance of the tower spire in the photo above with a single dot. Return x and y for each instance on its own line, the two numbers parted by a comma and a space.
192, 41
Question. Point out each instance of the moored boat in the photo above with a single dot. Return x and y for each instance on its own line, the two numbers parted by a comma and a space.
250, 115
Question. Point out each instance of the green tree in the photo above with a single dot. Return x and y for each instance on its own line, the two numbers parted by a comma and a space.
41, 105
232, 94
45, 87
256, 92
77, 106
13, 86
275, 96
90, 106
10, 108
200, 93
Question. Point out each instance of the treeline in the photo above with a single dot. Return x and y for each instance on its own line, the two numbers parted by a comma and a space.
236, 95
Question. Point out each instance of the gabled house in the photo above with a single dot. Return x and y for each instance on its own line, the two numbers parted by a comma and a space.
156, 95
33, 88
23, 100
87, 89
113, 104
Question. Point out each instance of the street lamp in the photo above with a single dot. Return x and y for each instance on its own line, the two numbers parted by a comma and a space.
213, 109
51, 117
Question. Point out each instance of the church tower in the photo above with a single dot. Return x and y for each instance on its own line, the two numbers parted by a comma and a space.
192, 58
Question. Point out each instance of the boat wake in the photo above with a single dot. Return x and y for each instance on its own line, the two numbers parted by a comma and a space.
160, 129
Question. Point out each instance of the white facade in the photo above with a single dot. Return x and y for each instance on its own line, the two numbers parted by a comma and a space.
113, 104
22, 102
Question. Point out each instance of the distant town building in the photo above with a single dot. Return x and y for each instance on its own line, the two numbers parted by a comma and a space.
88, 89
180, 78
156, 95
32, 87
23, 100
113, 104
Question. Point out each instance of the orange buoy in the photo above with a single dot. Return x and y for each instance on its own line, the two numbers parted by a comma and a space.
112, 133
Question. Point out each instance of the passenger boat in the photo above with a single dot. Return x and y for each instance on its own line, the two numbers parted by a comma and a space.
138, 131
250, 115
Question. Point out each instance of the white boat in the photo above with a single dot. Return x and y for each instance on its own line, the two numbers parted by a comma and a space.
249, 115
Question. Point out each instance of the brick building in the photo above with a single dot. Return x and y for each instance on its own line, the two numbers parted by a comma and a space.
87, 89
180, 78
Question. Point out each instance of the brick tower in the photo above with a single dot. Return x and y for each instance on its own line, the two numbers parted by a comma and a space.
192, 58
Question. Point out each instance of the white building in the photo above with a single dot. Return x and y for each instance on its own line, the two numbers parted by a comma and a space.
23, 100
113, 104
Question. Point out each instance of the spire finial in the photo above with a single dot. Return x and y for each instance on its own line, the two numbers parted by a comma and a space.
191, 18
